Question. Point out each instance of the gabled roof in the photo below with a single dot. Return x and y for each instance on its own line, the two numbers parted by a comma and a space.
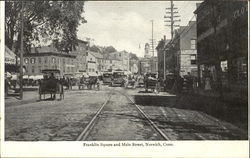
97, 55
49, 54
113, 58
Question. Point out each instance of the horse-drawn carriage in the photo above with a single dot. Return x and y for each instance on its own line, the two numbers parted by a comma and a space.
51, 84
89, 81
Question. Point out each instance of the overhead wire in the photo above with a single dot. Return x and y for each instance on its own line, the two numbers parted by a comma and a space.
190, 26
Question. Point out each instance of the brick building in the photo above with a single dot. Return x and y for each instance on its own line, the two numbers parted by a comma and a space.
121, 56
35, 62
180, 52
222, 43
186, 49
81, 55
160, 55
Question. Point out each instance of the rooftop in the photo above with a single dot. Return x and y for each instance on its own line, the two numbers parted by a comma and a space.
96, 54
49, 54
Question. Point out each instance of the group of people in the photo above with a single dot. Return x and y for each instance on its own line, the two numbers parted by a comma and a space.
90, 82
179, 84
65, 81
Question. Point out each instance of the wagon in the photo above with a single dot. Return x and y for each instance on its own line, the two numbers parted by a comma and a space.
51, 84
150, 82
90, 82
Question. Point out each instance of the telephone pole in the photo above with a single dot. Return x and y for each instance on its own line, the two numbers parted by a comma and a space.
171, 19
152, 40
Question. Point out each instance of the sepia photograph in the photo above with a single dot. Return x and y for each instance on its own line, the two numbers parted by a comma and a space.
90, 71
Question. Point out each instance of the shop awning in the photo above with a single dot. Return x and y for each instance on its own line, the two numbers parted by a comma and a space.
10, 57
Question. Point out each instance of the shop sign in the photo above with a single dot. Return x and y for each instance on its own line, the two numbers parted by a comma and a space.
240, 12
224, 66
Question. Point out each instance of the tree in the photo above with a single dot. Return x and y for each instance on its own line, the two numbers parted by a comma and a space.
94, 48
110, 49
43, 21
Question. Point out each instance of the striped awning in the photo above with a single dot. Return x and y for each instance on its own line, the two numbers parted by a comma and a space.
10, 57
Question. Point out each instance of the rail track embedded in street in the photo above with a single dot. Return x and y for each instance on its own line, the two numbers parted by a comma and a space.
152, 124
84, 134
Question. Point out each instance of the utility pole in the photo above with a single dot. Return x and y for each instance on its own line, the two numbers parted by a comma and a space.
21, 56
171, 15
171, 18
152, 40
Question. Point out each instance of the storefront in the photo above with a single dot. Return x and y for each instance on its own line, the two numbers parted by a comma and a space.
222, 53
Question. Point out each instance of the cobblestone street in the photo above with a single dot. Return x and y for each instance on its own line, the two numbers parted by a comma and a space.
119, 119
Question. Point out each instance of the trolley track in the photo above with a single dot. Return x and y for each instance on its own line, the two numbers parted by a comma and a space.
87, 130
153, 125
84, 134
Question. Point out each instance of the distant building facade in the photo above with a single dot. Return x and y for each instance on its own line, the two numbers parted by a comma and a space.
148, 65
122, 56
81, 56
36, 62
187, 50
147, 51
95, 62
133, 66
160, 55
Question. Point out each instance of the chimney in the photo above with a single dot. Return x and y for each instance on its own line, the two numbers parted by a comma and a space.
164, 37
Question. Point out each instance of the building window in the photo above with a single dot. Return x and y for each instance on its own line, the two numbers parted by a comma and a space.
32, 60
39, 68
39, 60
193, 59
63, 61
193, 44
33, 69
53, 60
26, 60
90, 59
119, 54
45, 59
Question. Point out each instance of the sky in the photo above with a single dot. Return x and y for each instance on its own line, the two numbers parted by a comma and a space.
126, 25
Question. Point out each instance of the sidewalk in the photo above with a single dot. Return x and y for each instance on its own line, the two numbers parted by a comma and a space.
227, 95
230, 108
28, 97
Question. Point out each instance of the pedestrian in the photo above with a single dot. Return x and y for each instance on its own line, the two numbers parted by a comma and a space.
207, 84
7, 85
